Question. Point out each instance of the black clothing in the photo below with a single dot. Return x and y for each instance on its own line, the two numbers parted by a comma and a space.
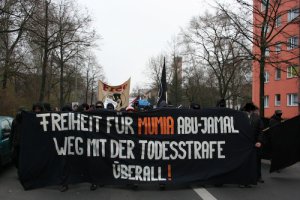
257, 126
15, 135
275, 119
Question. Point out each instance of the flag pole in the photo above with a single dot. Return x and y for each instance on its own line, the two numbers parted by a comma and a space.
166, 97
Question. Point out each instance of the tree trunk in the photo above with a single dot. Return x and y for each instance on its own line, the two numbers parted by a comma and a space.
5, 73
261, 86
87, 86
61, 85
45, 58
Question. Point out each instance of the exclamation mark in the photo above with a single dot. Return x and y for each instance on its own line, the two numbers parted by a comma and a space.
169, 173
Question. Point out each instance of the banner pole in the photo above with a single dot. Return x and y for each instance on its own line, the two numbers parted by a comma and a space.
167, 97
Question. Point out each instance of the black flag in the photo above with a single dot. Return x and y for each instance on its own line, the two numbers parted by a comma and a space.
285, 142
163, 86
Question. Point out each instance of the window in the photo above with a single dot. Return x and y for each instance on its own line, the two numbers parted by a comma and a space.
278, 47
266, 77
292, 14
277, 74
292, 71
278, 21
292, 99
292, 42
264, 4
277, 100
267, 52
266, 101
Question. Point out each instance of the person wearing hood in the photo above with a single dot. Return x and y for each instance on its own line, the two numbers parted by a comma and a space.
110, 106
221, 103
99, 105
257, 127
276, 118
37, 107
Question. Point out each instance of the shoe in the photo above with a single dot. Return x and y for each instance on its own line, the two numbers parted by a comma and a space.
63, 188
245, 186
93, 187
260, 180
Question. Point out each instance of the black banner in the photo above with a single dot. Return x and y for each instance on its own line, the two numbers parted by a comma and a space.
211, 146
283, 144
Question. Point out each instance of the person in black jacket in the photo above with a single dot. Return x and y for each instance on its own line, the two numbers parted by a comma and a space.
257, 126
15, 137
276, 118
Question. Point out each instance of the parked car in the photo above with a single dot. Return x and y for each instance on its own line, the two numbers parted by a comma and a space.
5, 147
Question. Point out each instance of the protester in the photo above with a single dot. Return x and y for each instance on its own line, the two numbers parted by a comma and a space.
257, 126
221, 103
37, 108
136, 105
110, 106
99, 105
15, 135
83, 107
47, 107
276, 118
66, 108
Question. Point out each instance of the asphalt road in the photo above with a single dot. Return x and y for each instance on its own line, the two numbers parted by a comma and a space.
284, 185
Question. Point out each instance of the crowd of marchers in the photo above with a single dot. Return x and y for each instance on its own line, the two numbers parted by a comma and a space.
249, 109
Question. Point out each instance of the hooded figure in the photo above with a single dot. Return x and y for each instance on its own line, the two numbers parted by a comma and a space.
221, 103
37, 108
257, 127
110, 106
99, 105
276, 118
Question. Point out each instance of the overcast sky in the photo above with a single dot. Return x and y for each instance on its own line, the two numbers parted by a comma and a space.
135, 30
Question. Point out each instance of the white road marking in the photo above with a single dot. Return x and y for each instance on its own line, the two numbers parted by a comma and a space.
204, 194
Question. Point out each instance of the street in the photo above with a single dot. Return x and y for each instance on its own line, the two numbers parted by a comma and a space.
283, 185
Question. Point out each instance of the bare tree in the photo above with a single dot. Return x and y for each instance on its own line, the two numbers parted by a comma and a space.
42, 37
198, 88
211, 42
73, 34
93, 72
262, 31
14, 15
175, 91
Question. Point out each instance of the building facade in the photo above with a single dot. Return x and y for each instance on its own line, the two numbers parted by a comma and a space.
281, 71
